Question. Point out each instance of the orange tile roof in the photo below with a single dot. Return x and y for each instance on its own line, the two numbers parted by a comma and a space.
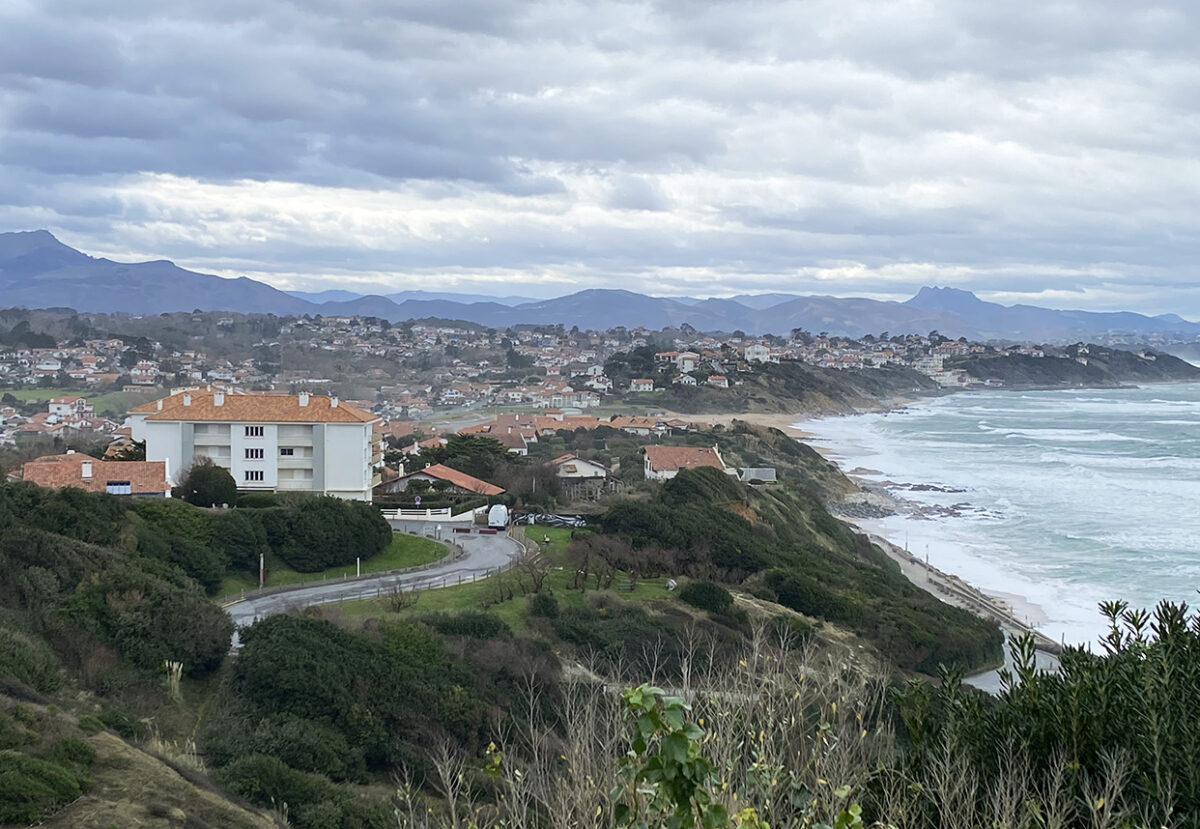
254, 408
460, 479
666, 458
54, 471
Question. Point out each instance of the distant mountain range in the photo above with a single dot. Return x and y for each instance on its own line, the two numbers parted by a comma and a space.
38, 271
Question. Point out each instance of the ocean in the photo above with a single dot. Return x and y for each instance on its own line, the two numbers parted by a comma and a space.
1055, 500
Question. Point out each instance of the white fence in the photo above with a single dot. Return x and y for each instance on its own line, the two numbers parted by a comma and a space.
442, 515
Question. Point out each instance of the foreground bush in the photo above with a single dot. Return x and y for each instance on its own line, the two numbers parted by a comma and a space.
707, 595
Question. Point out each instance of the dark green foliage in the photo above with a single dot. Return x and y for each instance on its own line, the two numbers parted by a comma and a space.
28, 660
120, 722
471, 623
317, 533
207, 485
73, 752
542, 604
200, 561
257, 500
84, 516
703, 485
384, 694
1136, 703
31, 787
240, 538
83, 597
795, 552
150, 621
476, 455
707, 595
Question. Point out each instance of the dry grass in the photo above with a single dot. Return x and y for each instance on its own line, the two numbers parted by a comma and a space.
132, 788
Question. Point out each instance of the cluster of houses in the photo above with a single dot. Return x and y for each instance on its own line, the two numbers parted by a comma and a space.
323, 445
64, 417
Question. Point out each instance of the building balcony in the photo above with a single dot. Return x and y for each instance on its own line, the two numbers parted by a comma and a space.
285, 462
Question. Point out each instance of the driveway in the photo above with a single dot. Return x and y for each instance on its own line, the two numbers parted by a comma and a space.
483, 555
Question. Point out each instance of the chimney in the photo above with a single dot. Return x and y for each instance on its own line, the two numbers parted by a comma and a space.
219, 399
333, 401
86, 469
160, 405
303, 398
70, 451
187, 400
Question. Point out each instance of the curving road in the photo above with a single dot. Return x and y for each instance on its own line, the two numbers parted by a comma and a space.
482, 556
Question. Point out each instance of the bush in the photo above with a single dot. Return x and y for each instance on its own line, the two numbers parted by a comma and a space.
542, 604
240, 537
207, 485
470, 623
31, 787
323, 532
257, 500
707, 595
29, 660
268, 781
72, 751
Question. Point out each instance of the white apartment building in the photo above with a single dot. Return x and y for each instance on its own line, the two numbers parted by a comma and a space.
269, 443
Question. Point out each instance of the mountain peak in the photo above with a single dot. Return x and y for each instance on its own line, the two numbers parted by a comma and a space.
953, 300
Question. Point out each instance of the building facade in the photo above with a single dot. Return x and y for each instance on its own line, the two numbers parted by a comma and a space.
269, 443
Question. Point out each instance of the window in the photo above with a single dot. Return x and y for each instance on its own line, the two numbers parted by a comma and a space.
254, 474
254, 431
254, 454
118, 488
287, 452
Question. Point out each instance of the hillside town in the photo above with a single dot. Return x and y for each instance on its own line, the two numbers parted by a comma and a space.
414, 371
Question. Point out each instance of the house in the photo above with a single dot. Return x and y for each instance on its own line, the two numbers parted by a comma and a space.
664, 462
641, 384
719, 381
140, 478
757, 353
70, 407
583, 480
459, 482
757, 475
273, 443
684, 380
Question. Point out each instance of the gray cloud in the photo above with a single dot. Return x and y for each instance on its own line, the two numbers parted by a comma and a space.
835, 146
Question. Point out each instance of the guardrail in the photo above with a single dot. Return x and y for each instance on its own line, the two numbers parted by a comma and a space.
454, 553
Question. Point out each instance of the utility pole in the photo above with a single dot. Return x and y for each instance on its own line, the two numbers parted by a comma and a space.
262, 571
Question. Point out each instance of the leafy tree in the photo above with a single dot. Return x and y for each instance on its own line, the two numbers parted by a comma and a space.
207, 485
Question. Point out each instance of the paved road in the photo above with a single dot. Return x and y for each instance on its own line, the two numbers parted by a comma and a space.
483, 554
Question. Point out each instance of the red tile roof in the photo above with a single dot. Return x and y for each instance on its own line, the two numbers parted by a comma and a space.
54, 471
666, 458
253, 408
459, 479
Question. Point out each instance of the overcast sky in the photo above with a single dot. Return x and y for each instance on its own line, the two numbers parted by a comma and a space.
1040, 152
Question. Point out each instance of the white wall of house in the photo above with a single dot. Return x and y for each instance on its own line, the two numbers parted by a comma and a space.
348, 460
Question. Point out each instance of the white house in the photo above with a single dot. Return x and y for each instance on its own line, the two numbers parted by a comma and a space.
297, 443
641, 384
757, 353
664, 462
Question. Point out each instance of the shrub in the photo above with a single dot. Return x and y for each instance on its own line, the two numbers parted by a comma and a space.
240, 537
268, 781
207, 485
29, 660
32, 787
470, 623
72, 751
707, 595
257, 500
542, 604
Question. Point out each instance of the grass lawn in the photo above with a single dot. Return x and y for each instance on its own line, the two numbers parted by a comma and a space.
469, 596
404, 551
114, 402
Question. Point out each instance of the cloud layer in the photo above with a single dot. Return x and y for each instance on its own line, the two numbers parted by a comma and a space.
1031, 152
